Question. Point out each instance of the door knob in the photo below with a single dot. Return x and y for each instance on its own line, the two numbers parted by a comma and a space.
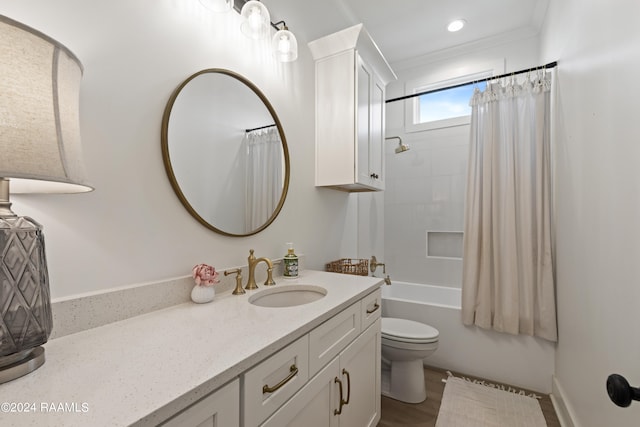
620, 392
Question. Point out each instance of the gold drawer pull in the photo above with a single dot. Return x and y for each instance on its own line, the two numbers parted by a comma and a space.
293, 371
375, 307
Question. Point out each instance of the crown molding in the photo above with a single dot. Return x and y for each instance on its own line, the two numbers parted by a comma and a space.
466, 48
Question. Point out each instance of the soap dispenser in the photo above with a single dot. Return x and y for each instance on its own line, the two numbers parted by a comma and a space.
290, 263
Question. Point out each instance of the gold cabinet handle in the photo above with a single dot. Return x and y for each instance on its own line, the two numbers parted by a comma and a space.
375, 307
293, 371
345, 372
339, 410
342, 401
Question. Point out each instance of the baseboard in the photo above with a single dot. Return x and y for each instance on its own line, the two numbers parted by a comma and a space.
561, 404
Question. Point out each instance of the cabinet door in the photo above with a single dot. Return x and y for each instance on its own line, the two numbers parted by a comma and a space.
360, 372
370, 126
329, 339
313, 405
376, 133
220, 409
364, 79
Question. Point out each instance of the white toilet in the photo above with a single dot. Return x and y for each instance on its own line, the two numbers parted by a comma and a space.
405, 344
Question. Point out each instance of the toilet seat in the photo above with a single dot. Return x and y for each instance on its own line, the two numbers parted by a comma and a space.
408, 331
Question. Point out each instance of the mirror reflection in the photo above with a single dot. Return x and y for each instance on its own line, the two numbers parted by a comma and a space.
225, 152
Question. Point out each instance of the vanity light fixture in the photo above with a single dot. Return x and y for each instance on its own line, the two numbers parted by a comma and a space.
456, 25
284, 43
41, 153
256, 24
256, 21
218, 5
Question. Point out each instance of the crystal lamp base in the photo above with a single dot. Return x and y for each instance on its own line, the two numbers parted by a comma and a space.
14, 366
25, 302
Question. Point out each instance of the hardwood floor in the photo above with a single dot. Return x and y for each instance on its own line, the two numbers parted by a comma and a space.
395, 413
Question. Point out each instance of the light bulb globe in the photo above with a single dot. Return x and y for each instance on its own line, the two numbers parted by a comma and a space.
285, 46
256, 21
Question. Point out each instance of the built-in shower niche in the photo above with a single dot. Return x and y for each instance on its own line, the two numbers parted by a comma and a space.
444, 244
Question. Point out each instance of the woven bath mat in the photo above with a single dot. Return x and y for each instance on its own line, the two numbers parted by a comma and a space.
466, 404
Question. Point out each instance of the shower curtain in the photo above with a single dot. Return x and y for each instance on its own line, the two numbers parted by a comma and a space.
263, 176
508, 271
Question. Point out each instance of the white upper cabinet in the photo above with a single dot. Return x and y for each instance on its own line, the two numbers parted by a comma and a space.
351, 76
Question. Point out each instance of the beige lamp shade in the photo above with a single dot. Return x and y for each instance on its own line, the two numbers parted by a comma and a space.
40, 148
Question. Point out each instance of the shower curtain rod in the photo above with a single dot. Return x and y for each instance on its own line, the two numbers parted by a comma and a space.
261, 127
513, 73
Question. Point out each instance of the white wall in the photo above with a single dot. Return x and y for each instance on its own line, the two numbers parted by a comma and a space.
598, 202
132, 228
425, 191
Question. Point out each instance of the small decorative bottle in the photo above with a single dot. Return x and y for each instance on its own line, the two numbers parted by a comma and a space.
290, 263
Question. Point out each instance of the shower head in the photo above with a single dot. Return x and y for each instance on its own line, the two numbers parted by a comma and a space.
401, 148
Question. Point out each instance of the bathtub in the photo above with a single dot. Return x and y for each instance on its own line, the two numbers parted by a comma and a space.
437, 296
521, 361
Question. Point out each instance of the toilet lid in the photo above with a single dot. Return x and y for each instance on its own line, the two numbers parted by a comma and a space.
403, 329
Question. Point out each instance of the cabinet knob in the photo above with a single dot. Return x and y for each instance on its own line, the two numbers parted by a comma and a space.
374, 176
620, 392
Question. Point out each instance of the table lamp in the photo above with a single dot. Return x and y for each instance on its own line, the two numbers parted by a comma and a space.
39, 153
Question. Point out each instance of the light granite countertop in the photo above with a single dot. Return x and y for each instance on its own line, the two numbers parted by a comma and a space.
141, 370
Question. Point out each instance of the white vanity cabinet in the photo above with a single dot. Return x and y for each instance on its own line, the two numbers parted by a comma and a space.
329, 377
351, 76
345, 391
220, 408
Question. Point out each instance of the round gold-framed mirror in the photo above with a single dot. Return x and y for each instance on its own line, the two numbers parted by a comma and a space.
225, 152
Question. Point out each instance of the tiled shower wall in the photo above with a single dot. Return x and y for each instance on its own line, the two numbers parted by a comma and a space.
425, 189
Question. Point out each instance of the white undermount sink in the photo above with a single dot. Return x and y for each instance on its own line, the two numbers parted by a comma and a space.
287, 295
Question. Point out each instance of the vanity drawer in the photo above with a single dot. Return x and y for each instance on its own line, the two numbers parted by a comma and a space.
222, 407
271, 383
328, 339
371, 308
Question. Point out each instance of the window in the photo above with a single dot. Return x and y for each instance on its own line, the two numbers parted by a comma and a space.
446, 104
443, 108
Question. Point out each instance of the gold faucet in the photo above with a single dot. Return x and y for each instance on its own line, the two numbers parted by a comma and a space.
238, 290
253, 261
373, 264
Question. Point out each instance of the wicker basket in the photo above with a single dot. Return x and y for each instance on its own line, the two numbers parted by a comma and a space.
359, 267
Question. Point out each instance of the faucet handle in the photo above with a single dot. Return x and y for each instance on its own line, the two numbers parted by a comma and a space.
269, 281
238, 290
373, 264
